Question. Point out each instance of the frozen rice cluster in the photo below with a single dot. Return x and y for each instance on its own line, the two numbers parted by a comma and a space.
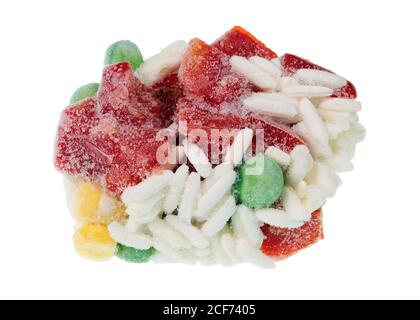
210, 154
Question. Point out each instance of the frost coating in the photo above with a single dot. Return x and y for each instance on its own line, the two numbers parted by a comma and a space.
189, 217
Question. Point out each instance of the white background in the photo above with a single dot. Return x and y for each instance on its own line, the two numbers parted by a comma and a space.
372, 226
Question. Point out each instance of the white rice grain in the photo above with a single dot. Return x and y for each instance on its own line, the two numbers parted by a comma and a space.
134, 240
323, 176
220, 217
278, 155
339, 104
189, 258
272, 104
314, 198
239, 147
301, 189
288, 121
320, 77
338, 164
207, 261
147, 188
253, 73
354, 135
176, 187
160, 258
354, 119
159, 66
253, 255
198, 159
267, 66
163, 247
333, 116
313, 122
346, 152
201, 253
276, 62
189, 197
277, 218
219, 254
132, 225
336, 128
147, 218
288, 82
163, 230
145, 207
228, 244
218, 172
300, 165
190, 232
245, 225
307, 91
318, 150
293, 205
214, 194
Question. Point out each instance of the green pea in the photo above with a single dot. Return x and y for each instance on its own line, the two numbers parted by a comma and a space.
87, 91
124, 51
134, 255
260, 182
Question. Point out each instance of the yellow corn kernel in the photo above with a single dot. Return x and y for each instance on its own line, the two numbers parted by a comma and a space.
93, 242
95, 206
88, 196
